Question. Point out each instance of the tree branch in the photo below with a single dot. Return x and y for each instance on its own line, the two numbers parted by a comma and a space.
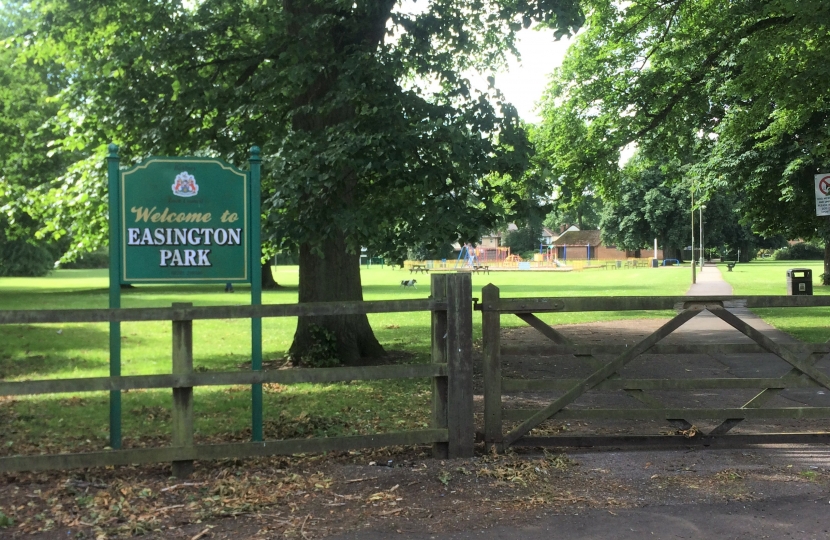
658, 117
663, 37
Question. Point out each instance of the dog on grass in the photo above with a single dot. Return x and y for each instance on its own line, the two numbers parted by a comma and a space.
408, 283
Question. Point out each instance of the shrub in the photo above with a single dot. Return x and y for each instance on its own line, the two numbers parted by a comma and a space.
323, 351
23, 259
799, 252
524, 239
97, 259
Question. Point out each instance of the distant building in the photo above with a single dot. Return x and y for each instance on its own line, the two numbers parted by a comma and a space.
496, 239
588, 245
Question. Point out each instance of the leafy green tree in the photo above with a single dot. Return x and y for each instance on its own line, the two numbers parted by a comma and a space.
651, 203
584, 212
524, 239
371, 134
28, 88
736, 83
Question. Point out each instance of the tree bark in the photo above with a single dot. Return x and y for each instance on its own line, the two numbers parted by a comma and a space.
331, 278
336, 275
268, 281
745, 255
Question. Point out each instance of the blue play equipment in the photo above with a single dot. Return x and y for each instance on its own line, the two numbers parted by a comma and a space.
467, 255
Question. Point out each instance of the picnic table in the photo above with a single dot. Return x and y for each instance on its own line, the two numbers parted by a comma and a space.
604, 265
415, 268
481, 268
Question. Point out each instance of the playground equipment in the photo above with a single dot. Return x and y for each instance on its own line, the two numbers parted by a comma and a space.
466, 257
470, 257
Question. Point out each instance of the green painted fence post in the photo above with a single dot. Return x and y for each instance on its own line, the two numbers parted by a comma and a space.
256, 293
114, 290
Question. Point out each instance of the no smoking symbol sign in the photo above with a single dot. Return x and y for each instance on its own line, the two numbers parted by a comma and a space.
824, 185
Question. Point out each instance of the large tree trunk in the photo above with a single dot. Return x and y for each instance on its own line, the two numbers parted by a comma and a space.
746, 256
334, 277
268, 281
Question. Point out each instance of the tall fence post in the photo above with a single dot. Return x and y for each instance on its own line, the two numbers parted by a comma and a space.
182, 418
459, 348
491, 344
439, 356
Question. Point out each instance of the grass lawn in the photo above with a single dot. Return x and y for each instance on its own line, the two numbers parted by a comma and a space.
81, 350
764, 277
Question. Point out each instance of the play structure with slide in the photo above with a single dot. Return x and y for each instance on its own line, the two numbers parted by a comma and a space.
470, 257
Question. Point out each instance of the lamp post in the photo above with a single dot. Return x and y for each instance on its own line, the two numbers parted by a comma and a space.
694, 276
702, 258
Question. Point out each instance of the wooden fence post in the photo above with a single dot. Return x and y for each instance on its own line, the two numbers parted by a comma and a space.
491, 343
459, 348
439, 356
182, 418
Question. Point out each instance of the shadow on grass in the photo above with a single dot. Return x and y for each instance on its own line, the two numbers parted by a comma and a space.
26, 350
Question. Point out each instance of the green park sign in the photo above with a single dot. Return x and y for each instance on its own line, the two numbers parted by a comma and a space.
184, 220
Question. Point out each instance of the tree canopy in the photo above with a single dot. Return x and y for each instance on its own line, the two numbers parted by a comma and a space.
371, 132
28, 88
730, 89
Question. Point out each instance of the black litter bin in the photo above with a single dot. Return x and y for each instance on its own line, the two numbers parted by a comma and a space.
799, 281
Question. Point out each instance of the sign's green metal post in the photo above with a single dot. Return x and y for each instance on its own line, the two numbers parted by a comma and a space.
115, 292
256, 292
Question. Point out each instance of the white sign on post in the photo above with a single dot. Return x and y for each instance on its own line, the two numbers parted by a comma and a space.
823, 194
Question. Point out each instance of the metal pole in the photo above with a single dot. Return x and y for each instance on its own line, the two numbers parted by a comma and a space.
701, 237
256, 292
113, 175
694, 275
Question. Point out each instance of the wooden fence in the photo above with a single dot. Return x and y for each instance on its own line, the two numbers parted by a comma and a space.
451, 432
605, 375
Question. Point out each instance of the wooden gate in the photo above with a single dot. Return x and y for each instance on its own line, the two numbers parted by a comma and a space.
605, 376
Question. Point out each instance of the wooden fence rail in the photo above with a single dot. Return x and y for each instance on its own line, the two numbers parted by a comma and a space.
181, 313
452, 433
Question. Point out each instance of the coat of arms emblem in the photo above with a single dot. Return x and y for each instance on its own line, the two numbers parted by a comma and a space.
185, 185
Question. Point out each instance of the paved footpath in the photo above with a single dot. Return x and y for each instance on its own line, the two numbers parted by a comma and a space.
797, 518
707, 327
781, 513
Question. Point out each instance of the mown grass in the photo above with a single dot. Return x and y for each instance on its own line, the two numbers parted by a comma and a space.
764, 277
29, 352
